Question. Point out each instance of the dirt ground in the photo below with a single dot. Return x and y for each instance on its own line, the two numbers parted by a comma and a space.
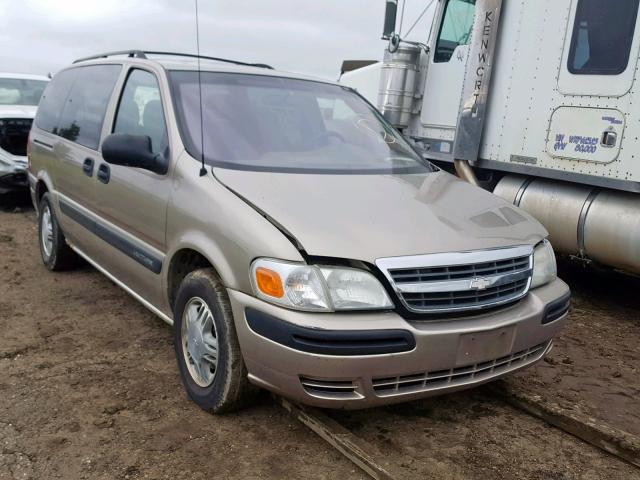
595, 365
473, 436
89, 389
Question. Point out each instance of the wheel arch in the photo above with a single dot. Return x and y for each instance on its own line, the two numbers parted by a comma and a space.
181, 262
43, 185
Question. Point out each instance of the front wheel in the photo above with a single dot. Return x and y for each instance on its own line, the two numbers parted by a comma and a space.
56, 254
206, 345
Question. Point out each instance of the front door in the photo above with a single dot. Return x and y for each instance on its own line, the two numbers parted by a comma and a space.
132, 202
445, 73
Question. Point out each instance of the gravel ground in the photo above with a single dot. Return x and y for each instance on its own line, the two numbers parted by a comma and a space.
89, 389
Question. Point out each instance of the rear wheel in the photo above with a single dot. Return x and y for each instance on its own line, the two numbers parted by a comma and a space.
206, 345
56, 254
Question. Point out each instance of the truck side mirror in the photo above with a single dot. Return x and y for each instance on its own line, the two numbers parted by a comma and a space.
390, 15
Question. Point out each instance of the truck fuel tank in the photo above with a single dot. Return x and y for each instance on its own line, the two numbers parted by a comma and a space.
591, 222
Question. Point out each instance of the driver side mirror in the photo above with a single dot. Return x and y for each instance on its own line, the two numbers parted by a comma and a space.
390, 15
132, 151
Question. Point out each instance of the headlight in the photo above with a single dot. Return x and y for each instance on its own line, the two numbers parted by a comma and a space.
544, 265
317, 288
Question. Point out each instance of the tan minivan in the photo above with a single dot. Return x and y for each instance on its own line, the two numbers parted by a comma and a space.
293, 238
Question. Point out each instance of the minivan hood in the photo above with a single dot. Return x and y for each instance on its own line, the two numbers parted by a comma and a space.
17, 111
365, 217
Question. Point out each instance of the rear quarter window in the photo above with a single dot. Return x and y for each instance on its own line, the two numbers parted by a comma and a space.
85, 107
53, 100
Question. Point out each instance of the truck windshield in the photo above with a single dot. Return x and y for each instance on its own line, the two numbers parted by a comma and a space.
257, 122
20, 91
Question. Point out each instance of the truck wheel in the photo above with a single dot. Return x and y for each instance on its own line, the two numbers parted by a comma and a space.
56, 254
206, 345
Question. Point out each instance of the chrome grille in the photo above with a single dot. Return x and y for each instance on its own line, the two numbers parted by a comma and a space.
451, 282
455, 272
469, 298
426, 381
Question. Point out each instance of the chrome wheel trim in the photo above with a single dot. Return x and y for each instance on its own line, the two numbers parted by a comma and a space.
46, 231
199, 342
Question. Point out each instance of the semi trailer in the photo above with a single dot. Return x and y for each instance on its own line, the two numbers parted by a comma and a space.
538, 102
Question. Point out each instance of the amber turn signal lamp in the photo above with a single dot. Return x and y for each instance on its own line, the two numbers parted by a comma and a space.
269, 282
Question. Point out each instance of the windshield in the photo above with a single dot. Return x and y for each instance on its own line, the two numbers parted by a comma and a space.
20, 91
259, 122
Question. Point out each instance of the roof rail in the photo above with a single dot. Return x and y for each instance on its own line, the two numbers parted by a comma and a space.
129, 53
217, 59
144, 53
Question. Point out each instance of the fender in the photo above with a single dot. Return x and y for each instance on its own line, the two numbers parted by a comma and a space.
202, 226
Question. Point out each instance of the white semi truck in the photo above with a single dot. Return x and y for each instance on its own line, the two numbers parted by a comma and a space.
538, 101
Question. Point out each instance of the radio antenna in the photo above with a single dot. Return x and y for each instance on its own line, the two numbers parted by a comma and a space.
203, 169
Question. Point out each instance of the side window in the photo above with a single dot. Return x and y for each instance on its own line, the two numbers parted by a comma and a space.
602, 37
85, 108
140, 110
53, 100
455, 30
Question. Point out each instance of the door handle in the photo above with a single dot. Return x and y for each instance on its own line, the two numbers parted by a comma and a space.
104, 173
609, 139
87, 167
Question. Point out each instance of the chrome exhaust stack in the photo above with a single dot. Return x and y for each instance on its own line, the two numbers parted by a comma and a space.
475, 91
398, 84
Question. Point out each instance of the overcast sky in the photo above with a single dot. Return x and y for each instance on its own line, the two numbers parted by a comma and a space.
307, 36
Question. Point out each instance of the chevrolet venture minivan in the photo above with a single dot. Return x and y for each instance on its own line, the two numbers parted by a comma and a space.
293, 238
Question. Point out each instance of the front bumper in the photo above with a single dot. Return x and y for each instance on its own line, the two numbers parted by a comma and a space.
13, 176
442, 356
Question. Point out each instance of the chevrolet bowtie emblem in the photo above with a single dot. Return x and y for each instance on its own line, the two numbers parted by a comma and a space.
480, 283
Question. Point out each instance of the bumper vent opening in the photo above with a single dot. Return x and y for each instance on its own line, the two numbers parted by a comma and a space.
458, 376
333, 389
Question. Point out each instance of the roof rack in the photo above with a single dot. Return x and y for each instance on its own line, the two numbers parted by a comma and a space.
143, 54
128, 53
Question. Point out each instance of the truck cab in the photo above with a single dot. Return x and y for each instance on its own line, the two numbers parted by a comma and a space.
539, 99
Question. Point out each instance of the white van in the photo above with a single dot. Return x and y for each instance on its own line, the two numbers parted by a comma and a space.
19, 97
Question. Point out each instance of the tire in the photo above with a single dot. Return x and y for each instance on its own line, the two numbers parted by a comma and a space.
219, 388
56, 254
